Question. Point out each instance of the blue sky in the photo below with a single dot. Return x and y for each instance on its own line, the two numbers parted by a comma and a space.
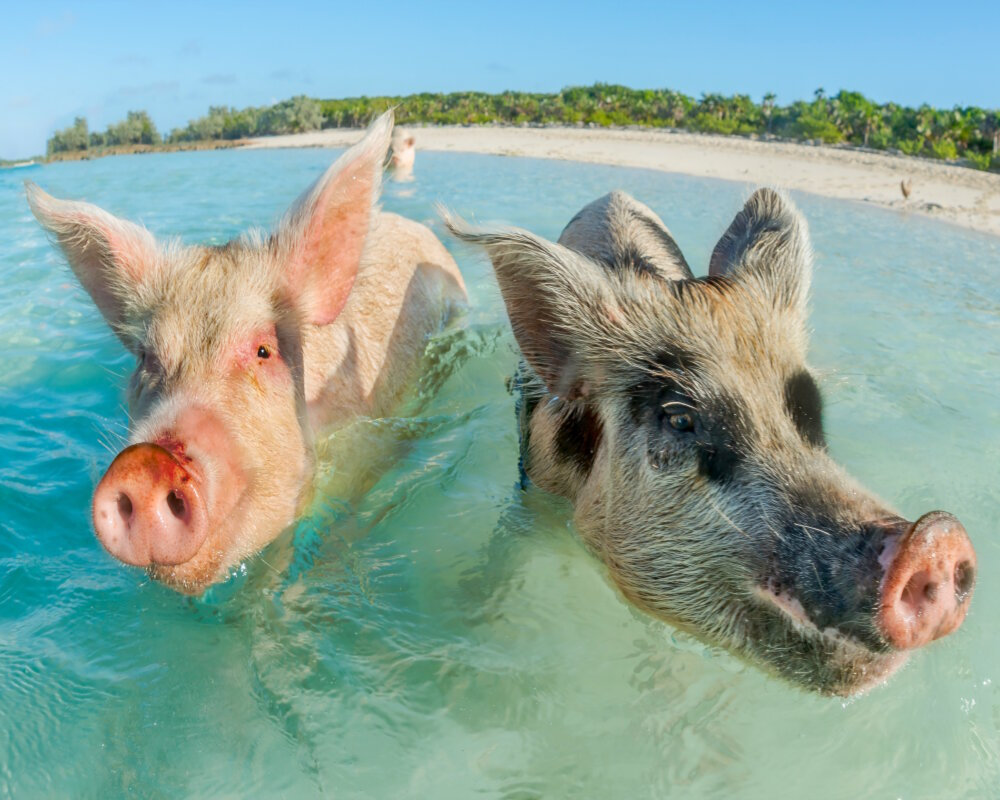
100, 59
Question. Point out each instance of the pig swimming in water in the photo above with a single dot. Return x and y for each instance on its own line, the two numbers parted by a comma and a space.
404, 154
678, 414
243, 350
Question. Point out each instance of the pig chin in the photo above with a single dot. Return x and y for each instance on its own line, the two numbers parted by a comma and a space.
827, 661
842, 630
207, 565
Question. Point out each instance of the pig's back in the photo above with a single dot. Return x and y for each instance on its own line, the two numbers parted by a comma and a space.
407, 287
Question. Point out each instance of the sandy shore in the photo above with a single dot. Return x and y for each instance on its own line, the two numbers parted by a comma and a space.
959, 195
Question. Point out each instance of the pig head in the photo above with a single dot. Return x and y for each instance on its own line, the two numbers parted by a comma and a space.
403, 151
242, 350
680, 416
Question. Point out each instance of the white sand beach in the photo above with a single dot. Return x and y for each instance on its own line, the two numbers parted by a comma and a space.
959, 195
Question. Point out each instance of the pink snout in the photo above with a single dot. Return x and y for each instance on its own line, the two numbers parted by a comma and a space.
928, 581
147, 509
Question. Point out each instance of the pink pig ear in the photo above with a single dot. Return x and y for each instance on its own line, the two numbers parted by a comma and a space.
326, 229
108, 255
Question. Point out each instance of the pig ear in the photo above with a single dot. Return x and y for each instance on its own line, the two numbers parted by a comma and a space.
768, 239
108, 255
324, 233
557, 300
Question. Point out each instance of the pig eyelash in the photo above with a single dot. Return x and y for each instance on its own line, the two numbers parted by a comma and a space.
680, 416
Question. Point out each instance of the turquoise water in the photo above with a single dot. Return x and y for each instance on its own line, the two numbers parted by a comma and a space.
446, 636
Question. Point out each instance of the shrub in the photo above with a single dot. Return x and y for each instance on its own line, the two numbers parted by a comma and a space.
710, 123
810, 127
944, 148
297, 115
911, 147
979, 160
68, 139
136, 128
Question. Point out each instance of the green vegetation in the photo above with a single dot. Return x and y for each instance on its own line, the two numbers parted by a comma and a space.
136, 129
68, 139
297, 115
971, 134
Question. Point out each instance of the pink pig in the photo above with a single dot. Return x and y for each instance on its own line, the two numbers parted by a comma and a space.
245, 349
404, 153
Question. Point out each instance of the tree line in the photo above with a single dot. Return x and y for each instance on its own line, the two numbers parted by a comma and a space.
969, 133
136, 128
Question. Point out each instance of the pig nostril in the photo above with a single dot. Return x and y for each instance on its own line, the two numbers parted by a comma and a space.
917, 591
125, 506
965, 577
176, 504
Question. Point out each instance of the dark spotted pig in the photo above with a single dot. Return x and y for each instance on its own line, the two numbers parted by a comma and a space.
680, 417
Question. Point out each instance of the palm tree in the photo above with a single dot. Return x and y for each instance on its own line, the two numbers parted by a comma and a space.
991, 129
767, 108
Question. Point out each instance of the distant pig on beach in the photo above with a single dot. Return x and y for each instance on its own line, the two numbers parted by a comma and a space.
243, 350
680, 417
404, 152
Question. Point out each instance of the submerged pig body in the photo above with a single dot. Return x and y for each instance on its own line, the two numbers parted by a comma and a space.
681, 418
243, 351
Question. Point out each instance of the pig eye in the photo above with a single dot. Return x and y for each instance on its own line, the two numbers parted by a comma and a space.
681, 422
679, 417
263, 351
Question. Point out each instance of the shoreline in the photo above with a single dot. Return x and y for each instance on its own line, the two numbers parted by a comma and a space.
948, 192
940, 190
139, 149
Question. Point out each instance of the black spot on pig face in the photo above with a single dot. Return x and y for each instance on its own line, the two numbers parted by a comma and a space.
805, 407
682, 423
579, 437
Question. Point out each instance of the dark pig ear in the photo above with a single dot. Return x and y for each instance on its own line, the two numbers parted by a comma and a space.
109, 256
768, 239
324, 233
558, 301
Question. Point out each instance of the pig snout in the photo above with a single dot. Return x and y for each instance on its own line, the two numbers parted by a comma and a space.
147, 508
930, 571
